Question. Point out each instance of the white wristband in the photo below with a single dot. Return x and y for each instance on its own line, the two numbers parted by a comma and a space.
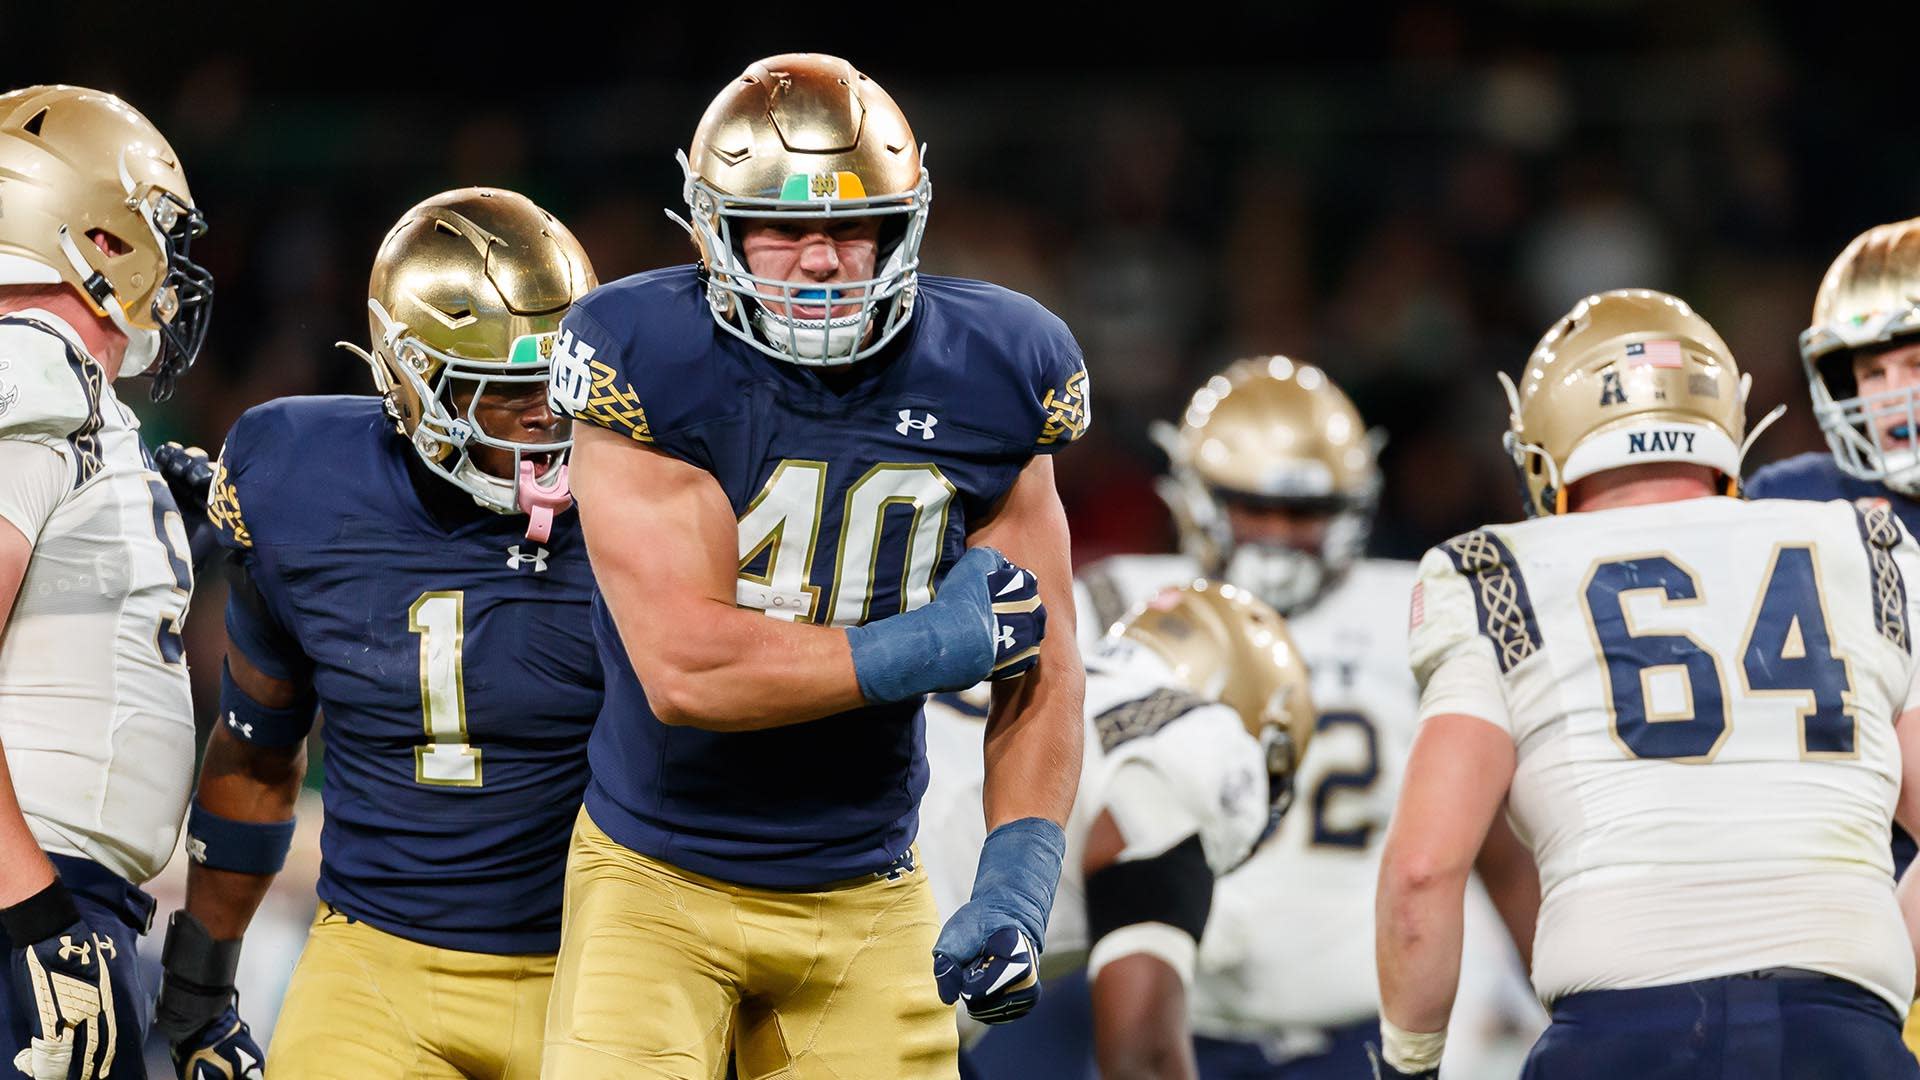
1410, 1051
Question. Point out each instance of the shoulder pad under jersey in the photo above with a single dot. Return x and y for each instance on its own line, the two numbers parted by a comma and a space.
49, 389
286, 457
1010, 340
637, 355
1470, 593
1214, 768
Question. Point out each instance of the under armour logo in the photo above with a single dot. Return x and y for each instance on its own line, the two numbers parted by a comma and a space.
245, 730
539, 559
82, 950
908, 424
1005, 640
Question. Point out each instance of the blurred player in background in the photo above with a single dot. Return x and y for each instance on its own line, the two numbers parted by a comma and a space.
1197, 715
1861, 356
95, 712
1273, 485
784, 449
1700, 706
406, 563
1862, 362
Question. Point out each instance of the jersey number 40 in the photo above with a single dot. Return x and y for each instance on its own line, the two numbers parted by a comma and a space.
1787, 650
782, 526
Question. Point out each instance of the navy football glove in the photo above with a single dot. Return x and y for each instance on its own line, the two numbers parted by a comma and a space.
196, 1013
987, 620
189, 476
224, 1050
988, 954
63, 980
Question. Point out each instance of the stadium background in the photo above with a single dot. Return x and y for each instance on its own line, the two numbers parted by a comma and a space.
1405, 195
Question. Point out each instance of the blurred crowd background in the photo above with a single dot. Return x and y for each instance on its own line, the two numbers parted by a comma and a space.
1405, 195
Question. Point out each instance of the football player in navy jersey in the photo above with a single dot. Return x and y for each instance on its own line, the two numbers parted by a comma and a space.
428, 591
783, 451
1862, 361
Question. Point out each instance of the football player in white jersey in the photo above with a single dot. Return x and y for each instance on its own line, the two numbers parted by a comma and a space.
1198, 712
1695, 709
1273, 485
95, 713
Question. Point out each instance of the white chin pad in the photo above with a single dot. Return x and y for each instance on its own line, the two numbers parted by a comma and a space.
1282, 577
814, 339
143, 348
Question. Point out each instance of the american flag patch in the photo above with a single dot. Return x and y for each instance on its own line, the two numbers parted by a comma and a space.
1661, 354
1417, 611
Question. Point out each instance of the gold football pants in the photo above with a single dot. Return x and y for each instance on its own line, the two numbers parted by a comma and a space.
664, 974
368, 1005
1911, 1034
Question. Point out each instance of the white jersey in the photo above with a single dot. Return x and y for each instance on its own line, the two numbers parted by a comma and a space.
1288, 949
95, 711
1209, 778
1701, 695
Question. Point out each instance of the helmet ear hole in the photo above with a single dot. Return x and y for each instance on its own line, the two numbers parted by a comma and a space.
1836, 370
893, 229
108, 243
1536, 464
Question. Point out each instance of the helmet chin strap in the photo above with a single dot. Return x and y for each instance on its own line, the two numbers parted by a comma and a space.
143, 346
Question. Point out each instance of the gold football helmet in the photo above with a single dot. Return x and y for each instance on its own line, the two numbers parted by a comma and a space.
1224, 645
805, 135
1270, 431
1869, 299
1628, 377
470, 287
92, 195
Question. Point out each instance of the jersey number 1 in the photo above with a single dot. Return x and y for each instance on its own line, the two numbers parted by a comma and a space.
1787, 651
447, 760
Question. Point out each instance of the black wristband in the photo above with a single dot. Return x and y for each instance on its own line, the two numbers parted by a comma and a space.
40, 916
199, 978
191, 953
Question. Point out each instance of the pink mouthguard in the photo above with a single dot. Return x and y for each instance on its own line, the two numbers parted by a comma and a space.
542, 502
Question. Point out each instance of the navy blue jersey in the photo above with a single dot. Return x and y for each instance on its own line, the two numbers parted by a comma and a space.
855, 492
453, 660
1816, 477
